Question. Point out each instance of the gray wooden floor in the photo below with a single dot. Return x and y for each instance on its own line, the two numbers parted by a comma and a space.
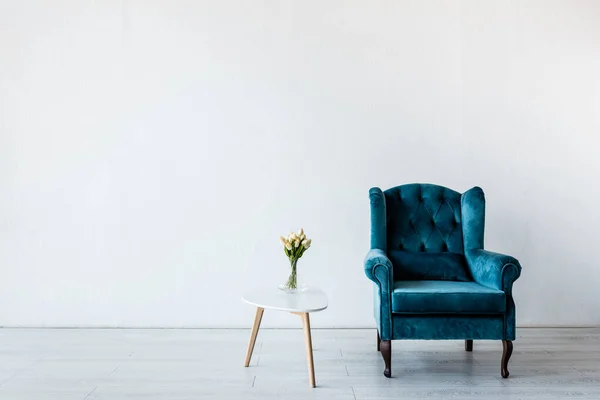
207, 364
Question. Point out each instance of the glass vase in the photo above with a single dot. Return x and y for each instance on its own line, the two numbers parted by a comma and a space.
291, 285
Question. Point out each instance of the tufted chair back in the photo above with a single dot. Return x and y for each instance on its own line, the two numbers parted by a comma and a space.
424, 218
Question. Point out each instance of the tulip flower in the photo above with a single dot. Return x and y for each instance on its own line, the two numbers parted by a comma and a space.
294, 247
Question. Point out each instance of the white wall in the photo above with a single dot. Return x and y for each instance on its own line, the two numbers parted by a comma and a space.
151, 152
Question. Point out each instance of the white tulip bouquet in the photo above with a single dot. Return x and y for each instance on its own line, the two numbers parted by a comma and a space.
294, 246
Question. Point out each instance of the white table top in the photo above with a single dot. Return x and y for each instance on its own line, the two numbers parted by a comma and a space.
310, 300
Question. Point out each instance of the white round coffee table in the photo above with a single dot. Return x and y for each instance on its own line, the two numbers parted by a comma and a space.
300, 303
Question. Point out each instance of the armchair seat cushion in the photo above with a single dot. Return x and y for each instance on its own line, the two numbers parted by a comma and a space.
446, 297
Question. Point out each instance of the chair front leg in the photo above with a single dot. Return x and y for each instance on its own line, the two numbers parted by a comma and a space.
386, 353
507, 349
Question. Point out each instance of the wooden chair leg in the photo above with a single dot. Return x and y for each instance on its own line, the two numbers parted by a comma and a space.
386, 353
378, 341
507, 348
468, 345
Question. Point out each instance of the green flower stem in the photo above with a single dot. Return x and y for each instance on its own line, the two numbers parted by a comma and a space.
292, 282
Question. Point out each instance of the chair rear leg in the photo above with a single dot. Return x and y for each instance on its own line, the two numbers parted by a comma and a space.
468, 345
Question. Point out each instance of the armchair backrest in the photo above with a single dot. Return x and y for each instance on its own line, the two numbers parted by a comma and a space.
427, 218
424, 218
425, 229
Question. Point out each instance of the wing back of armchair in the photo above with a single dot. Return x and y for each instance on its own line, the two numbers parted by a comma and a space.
420, 227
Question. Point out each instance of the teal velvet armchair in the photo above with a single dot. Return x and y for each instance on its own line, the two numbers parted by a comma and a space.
432, 277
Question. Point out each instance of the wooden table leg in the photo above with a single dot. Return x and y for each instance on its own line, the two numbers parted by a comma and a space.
257, 319
309, 353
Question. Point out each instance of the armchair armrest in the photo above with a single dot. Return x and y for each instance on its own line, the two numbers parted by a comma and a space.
494, 270
379, 269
